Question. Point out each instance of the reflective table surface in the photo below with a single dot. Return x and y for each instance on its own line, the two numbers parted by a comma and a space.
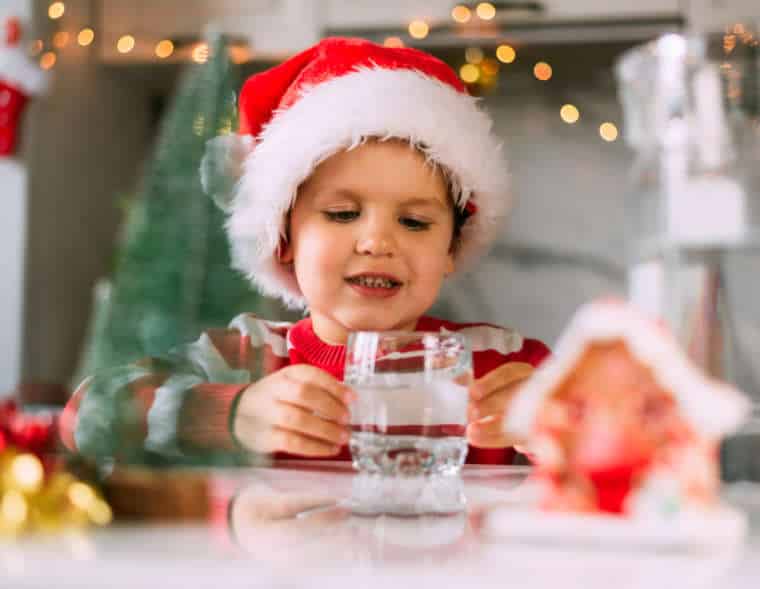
289, 526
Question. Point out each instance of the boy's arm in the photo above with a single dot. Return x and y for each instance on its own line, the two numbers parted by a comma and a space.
178, 405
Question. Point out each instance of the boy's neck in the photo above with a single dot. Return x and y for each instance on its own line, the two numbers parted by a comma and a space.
333, 333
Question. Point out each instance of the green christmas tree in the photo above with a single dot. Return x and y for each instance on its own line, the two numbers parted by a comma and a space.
173, 277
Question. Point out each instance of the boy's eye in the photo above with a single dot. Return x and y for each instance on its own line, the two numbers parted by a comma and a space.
341, 216
414, 224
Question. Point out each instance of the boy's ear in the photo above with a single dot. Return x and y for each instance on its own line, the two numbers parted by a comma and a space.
285, 252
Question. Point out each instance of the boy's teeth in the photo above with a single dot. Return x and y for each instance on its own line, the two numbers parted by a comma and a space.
374, 282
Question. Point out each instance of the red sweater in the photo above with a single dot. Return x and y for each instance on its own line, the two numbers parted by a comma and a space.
188, 400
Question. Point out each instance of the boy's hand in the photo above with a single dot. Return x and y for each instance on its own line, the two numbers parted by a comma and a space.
489, 400
299, 409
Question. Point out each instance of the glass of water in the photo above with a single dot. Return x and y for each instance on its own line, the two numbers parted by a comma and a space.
408, 424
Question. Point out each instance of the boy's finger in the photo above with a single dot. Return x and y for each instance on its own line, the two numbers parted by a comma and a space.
305, 374
305, 422
292, 442
499, 378
489, 433
494, 403
316, 400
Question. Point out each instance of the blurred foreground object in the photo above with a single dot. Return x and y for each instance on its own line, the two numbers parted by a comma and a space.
692, 113
20, 79
36, 493
173, 277
625, 428
692, 110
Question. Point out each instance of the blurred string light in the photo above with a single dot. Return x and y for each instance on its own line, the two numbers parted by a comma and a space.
473, 55
27, 473
201, 53
569, 113
485, 11
469, 73
56, 10
60, 39
164, 49
394, 42
199, 124
418, 29
238, 53
85, 37
608, 131
542, 71
489, 67
505, 53
36, 47
13, 508
461, 14
125, 44
47, 60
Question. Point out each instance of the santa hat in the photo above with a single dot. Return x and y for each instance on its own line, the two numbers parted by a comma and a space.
332, 97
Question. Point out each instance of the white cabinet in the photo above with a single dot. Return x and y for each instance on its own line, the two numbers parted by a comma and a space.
389, 13
275, 28
13, 186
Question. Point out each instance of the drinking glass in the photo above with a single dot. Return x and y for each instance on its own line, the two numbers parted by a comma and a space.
408, 425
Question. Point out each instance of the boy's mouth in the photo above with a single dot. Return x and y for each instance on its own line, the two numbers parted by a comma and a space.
375, 281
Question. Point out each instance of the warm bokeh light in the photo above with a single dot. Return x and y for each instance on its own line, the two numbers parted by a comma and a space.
60, 39
81, 495
729, 43
36, 47
490, 67
542, 71
461, 14
473, 55
56, 10
13, 508
200, 53
26, 471
393, 42
125, 44
100, 513
85, 37
569, 113
418, 29
199, 124
164, 48
505, 53
48, 59
486, 10
239, 54
469, 73
608, 131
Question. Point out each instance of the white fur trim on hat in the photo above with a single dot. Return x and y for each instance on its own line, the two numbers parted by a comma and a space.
339, 114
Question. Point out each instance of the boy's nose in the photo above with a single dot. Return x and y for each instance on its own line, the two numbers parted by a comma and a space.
375, 244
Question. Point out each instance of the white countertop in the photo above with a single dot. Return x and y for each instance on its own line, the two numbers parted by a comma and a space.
285, 530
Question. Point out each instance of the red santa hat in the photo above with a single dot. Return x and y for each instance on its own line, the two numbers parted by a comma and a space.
332, 97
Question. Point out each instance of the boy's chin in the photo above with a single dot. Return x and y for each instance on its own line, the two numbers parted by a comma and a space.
371, 322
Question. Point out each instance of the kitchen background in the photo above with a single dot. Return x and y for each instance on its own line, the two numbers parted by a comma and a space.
86, 142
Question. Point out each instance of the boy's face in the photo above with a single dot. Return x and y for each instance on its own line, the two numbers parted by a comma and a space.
370, 239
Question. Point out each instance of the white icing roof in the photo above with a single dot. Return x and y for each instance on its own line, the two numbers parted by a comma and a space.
714, 408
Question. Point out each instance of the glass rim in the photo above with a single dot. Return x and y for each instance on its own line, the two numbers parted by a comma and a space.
400, 334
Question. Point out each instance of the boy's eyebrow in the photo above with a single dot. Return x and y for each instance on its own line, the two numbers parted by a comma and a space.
425, 201
352, 195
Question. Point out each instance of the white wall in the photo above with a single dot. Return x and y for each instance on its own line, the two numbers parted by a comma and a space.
13, 203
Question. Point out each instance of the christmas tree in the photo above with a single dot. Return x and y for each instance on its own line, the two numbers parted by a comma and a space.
173, 277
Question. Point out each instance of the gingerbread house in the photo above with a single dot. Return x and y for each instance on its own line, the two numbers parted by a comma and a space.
621, 422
